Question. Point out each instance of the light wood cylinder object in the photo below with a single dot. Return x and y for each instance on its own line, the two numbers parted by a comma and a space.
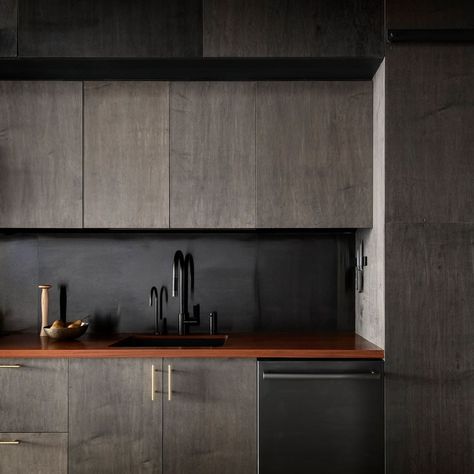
44, 308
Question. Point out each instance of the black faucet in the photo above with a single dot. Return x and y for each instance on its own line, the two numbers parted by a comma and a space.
163, 295
154, 299
159, 308
183, 280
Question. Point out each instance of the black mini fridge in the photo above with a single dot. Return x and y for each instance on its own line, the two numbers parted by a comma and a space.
321, 416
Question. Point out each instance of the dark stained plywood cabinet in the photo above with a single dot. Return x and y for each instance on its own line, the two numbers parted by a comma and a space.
110, 28
126, 154
429, 137
41, 154
430, 14
8, 28
209, 424
34, 396
429, 334
314, 154
114, 425
212, 162
38, 453
293, 28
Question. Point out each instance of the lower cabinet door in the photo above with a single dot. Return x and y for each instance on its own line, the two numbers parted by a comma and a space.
209, 416
33, 453
115, 416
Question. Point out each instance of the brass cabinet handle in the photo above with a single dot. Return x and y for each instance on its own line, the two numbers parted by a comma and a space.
11, 442
153, 383
170, 390
10, 366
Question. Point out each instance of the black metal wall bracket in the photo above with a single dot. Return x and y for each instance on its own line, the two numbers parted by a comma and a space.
361, 262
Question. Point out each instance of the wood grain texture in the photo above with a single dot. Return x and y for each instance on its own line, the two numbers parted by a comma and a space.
429, 346
40, 154
293, 28
38, 453
114, 424
430, 166
430, 14
34, 396
212, 417
212, 155
370, 304
8, 27
110, 28
294, 345
314, 154
126, 154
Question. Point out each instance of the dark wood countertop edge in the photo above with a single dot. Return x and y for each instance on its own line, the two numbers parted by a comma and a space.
192, 353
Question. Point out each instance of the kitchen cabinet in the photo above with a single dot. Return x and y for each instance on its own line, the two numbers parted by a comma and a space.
34, 396
212, 142
108, 28
429, 14
40, 154
429, 331
209, 424
297, 28
114, 421
126, 155
8, 22
429, 140
322, 416
314, 154
38, 453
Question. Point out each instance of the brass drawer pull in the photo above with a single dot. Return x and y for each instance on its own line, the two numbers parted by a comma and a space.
153, 385
11, 366
170, 390
9, 443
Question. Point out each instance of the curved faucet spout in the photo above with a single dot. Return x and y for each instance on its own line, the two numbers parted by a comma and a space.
154, 299
183, 284
163, 295
178, 267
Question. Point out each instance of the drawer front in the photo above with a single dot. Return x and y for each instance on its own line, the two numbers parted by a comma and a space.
33, 395
38, 453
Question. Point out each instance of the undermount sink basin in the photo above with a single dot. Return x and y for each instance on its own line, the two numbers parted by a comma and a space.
171, 341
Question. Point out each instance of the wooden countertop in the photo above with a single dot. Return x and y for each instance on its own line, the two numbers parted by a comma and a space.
251, 345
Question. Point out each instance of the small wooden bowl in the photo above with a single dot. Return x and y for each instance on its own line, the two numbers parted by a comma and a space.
63, 334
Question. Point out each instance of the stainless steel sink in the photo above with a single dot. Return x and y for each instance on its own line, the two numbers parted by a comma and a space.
171, 341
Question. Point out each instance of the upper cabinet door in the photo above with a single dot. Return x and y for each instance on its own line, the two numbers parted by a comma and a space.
314, 154
212, 155
293, 28
8, 24
110, 28
126, 155
210, 423
429, 134
40, 154
430, 14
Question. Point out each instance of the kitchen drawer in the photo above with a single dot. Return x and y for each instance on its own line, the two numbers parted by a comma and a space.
33, 395
38, 453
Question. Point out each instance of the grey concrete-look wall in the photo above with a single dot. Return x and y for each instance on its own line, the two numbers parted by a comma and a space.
256, 281
370, 304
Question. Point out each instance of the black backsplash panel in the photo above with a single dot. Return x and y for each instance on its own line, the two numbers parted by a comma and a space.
255, 280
